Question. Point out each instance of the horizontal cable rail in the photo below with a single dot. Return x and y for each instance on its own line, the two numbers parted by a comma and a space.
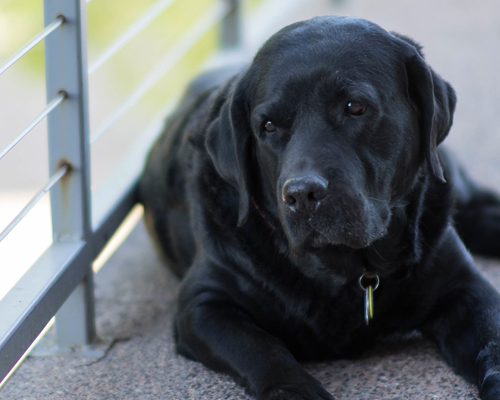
52, 105
32, 43
180, 50
53, 180
153, 12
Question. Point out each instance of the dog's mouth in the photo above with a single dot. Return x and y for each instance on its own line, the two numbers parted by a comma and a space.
315, 213
299, 244
334, 229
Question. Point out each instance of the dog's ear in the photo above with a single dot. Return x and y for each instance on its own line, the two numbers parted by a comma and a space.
435, 101
228, 143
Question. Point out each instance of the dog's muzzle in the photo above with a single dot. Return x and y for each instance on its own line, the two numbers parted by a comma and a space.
315, 213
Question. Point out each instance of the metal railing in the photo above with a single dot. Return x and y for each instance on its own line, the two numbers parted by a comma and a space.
61, 281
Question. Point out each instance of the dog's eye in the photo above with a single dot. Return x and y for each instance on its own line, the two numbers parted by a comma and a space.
270, 127
355, 108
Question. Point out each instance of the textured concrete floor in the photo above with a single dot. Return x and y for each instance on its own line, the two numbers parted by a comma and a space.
136, 296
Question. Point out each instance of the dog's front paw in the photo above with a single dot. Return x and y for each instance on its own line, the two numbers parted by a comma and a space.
490, 387
314, 391
488, 362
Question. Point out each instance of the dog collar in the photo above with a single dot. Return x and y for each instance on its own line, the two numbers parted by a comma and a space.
263, 215
369, 283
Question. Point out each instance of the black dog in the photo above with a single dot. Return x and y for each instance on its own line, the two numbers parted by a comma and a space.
308, 199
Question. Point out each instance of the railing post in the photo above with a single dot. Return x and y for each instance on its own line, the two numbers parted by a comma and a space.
68, 135
231, 29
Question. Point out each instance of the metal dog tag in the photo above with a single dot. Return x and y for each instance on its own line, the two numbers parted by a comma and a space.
369, 288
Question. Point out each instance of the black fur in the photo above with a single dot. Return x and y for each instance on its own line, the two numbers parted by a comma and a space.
271, 225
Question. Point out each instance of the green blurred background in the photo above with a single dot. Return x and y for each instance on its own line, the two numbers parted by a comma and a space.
20, 20
24, 170
110, 85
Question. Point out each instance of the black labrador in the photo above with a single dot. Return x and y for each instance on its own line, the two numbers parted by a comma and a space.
307, 207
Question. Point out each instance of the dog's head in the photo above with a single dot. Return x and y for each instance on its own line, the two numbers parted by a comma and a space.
335, 118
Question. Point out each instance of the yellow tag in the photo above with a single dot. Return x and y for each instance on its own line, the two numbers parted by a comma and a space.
370, 301
369, 289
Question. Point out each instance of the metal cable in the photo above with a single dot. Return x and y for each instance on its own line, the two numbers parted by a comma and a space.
32, 43
53, 180
53, 104
153, 12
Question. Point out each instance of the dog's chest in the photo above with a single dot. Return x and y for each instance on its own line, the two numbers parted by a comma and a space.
316, 324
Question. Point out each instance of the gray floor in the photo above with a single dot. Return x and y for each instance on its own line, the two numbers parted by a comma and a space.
136, 296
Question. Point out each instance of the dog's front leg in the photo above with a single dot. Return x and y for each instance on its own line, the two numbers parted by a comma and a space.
465, 321
212, 329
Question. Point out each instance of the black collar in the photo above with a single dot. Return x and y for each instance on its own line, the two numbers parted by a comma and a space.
262, 214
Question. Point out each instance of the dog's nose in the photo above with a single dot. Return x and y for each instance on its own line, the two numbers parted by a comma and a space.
304, 193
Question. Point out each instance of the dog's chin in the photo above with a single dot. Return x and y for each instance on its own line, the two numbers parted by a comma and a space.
303, 242
353, 243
